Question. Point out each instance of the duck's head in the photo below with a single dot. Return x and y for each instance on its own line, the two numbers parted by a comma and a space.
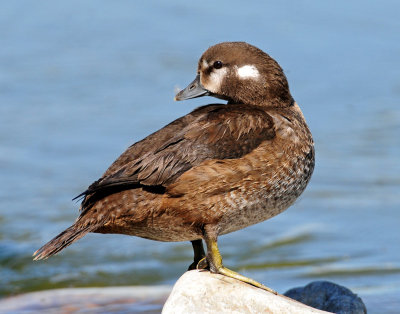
239, 73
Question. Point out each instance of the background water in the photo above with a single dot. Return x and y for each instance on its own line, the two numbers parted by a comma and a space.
81, 81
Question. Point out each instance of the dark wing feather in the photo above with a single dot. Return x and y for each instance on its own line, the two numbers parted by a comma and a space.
209, 132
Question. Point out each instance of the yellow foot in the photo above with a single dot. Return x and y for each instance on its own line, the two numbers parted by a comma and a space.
214, 259
230, 273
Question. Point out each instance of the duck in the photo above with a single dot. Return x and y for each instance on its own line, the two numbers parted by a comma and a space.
220, 168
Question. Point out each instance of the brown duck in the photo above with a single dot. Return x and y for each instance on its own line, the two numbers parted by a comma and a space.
218, 169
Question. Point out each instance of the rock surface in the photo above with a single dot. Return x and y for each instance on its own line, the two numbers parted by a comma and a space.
202, 292
328, 296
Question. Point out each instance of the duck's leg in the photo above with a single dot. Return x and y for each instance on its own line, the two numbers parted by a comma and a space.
215, 261
199, 254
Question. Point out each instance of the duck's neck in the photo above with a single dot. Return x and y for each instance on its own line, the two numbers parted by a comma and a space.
267, 103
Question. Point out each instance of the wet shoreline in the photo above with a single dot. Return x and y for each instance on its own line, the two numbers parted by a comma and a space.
132, 299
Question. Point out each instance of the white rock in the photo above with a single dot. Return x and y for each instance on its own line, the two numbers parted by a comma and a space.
202, 292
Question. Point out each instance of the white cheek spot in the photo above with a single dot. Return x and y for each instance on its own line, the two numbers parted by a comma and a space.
248, 72
216, 79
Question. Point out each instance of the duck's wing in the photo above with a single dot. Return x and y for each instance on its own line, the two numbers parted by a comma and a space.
210, 132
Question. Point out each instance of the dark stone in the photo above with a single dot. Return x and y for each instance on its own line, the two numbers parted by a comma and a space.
328, 296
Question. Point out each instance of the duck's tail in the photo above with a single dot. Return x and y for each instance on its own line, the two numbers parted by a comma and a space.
65, 238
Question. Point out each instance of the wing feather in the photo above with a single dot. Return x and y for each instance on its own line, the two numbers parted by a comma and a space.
211, 132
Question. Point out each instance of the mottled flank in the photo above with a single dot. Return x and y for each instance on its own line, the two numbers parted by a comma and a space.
218, 169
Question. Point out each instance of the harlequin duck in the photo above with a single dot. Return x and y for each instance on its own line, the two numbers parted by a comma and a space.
218, 169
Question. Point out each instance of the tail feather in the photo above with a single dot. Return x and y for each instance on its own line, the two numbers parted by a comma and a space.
65, 238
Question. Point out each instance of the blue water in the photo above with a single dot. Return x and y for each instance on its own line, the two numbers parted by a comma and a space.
81, 81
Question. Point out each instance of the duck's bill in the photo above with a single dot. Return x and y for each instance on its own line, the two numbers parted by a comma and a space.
193, 90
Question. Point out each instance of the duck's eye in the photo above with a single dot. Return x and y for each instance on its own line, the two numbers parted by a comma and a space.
217, 65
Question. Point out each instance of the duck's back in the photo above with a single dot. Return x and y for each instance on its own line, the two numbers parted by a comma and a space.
138, 186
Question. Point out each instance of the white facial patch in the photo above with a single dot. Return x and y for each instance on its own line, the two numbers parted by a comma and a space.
248, 72
216, 79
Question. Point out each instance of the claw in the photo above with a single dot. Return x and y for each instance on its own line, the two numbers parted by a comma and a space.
202, 264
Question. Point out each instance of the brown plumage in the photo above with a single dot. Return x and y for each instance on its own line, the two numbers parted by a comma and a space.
218, 169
